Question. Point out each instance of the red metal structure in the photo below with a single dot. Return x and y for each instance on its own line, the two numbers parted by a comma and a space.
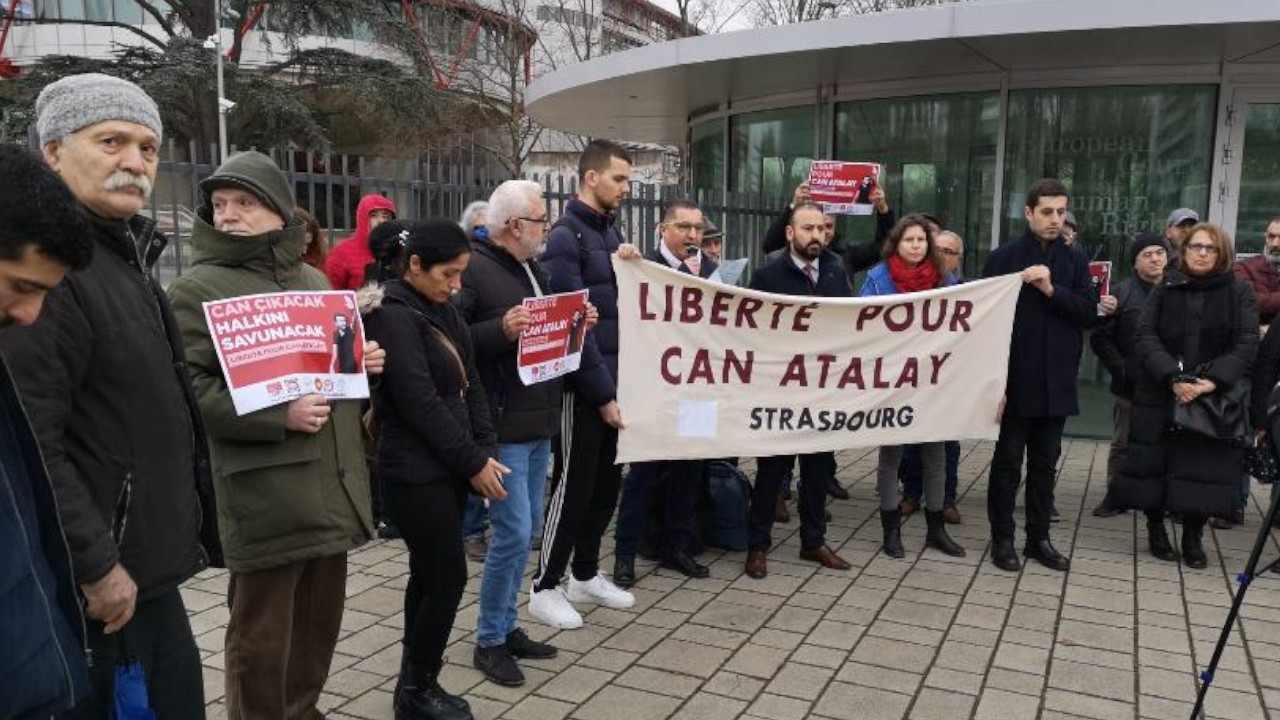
7, 68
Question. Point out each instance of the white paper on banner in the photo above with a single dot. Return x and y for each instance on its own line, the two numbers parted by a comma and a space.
551, 345
748, 373
277, 347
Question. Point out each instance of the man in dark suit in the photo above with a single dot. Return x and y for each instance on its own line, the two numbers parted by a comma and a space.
807, 268
679, 480
1056, 304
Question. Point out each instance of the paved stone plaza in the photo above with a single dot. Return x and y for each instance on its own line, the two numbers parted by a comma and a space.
927, 637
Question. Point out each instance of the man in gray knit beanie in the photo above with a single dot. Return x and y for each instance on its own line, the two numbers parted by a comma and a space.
114, 414
102, 135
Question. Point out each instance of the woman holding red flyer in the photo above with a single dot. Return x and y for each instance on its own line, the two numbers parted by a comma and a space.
911, 264
437, 442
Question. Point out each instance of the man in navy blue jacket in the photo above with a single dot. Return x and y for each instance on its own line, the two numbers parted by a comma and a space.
43, 233
807, 268
577, 257
1056, 304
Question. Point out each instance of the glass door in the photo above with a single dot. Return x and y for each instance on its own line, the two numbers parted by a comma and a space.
1249, 192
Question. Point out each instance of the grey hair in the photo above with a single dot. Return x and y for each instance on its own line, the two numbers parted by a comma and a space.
956, 235
468, 221
511, 200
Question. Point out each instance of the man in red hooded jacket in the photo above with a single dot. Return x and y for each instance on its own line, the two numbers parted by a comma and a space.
345, 265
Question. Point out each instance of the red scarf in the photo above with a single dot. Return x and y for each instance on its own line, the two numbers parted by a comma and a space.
912, 279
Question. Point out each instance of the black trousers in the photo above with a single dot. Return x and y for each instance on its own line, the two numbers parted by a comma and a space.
678, 483
159, 637
583, 496
429, 518
816, 470
1040, 440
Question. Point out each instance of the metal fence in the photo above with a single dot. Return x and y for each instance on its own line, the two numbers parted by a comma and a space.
330, 187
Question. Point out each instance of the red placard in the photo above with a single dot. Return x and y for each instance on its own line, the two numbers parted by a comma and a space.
843, 188
1101, 272
278, 347
551, 345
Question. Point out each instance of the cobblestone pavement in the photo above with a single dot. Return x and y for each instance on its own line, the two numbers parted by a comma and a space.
926, 637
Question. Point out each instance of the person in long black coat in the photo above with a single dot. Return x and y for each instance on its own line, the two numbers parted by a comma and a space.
1199, 323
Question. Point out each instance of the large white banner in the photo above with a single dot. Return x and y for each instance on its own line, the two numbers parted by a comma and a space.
709, 370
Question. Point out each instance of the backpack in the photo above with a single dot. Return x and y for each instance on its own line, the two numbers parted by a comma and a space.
730, 493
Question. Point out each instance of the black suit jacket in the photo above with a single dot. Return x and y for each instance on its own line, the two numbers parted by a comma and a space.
781, 275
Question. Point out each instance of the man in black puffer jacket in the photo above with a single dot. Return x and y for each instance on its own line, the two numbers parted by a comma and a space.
501, 274
103, 378
578, 255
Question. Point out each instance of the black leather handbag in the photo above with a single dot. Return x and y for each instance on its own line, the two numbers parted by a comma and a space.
1220, 415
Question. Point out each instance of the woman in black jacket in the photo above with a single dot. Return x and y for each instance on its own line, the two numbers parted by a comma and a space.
1198, 335
437, 442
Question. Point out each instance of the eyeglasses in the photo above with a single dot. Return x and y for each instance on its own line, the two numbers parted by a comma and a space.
543, 221
949, 252
1202, 249
687, 227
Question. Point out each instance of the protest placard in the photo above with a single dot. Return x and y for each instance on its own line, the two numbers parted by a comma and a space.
843, 188
551, 345
708, 370
1100, 274
277, 347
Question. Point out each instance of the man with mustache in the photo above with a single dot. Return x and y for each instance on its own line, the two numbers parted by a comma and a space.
1262, 272
102, 378
807, 268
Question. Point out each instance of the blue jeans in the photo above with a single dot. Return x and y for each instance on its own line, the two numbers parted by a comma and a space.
475, 518
912, 473
513, 520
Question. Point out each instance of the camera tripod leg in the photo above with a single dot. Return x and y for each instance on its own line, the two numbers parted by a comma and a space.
1244, 579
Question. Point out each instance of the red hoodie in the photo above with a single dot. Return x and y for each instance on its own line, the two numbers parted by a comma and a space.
346, 263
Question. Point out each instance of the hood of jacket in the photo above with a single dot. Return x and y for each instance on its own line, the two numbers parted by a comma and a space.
277, 253
367, 205
254, 173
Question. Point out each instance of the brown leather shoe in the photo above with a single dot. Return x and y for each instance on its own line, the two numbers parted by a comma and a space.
951, 515
757, 564
907, 506
825, 557
780, 513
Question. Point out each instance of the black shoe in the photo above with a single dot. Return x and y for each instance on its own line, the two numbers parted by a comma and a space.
891, 523
1048, 556
419, 696
937, 536
680, 561
387, 531
526, 648
1158, 542
1054, 515
498, 665
1105, 510
1193, 549
1221, 523
624, 571
836, 490
1004, 556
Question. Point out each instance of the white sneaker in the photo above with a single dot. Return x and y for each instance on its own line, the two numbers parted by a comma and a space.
550, 607
601, 591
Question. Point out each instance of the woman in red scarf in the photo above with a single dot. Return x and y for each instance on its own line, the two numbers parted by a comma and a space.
911, 264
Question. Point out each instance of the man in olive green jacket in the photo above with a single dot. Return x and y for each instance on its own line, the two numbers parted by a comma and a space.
292, 487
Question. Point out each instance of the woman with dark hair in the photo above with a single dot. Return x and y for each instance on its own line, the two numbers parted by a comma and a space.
911, 264
314, 249
437, 442
1197, 337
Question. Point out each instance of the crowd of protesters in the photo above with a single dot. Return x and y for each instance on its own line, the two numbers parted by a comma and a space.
127, 468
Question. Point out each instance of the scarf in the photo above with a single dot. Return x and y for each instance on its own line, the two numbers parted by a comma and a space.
912, 279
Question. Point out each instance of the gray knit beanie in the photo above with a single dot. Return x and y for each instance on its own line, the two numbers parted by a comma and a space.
78, 101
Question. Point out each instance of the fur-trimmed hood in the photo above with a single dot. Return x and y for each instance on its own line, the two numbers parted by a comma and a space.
369, 297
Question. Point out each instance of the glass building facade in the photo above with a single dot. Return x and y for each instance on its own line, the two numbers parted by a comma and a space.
1129, 155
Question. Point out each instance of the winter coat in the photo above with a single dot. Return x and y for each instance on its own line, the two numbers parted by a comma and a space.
579, 256
879, 281
492, 284
283, 496
1048, 332
1266, 372
348, 259
856, 257
1263, 277
1207, 327
436, 426
102, 376
1115, 338
42, 667
781, 275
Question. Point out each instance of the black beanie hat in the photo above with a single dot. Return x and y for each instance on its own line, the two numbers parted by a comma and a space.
1145, 240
